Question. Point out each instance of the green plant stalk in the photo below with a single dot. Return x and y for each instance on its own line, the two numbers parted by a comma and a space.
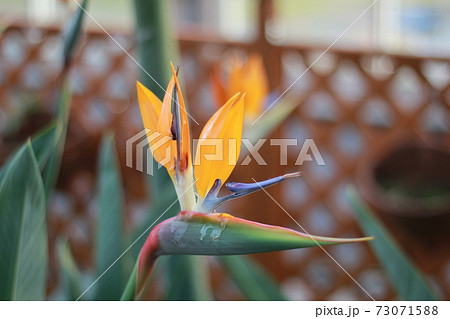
156, 48
130, 288
129, 293
156, 44
270, 120
405, 276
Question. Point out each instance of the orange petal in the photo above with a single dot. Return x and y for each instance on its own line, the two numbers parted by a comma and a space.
154, 115
150, 107
219, 145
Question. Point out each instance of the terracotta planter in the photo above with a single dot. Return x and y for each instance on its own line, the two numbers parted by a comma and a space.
409, 180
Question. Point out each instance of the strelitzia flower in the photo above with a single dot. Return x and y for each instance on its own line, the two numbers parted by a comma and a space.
265, 108
249, 77
198, 229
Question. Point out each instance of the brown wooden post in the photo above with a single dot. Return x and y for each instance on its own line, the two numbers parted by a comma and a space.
270, 53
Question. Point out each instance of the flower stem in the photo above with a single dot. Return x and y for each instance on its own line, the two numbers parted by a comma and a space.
185, 190
130, 289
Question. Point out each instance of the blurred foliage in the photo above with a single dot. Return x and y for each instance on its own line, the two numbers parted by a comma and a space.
23, 233
71, 34
26, 180
406, 278
110, 233
251, 279
69, 274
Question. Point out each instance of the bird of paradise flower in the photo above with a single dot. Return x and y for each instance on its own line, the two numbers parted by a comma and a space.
264, 109
249, 77
199, 229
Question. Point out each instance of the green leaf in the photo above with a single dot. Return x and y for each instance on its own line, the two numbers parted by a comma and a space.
251, 279
23, 234
48, 144
69, 274
72, 33
110, 237
51, 169
71, 37
270, 120
192, 233
404, 275
43, 143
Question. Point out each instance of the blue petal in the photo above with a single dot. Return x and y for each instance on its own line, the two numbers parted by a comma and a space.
252, 187
211, 200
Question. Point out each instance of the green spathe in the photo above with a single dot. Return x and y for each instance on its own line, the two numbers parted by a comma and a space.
192, 233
